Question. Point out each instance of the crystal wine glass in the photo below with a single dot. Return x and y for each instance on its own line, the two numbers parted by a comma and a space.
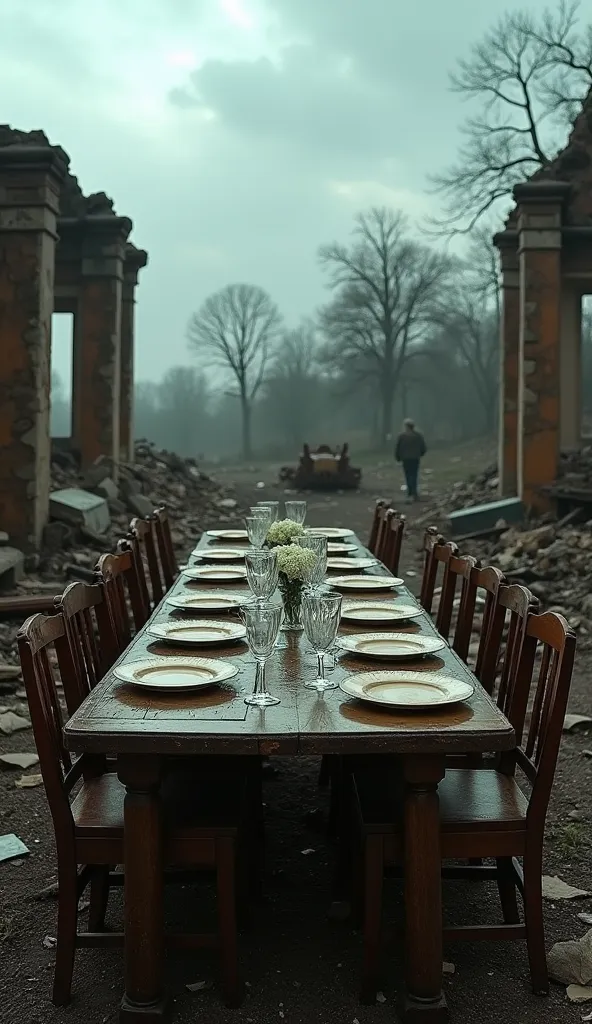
257, 527
262, 573
321, 614
296, 511
262, 621
316, 542
273, 506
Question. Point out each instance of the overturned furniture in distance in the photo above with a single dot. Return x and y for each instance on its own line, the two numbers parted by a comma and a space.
323, 470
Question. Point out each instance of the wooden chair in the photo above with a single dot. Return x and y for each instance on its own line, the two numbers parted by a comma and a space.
484, 814
166, 551
376, 526
392, 540
431, 540
143, 542
89, 826
440, 555
90, 631
118, 576
489, 580
456, 567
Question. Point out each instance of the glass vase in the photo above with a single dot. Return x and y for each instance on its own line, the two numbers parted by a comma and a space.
291, 591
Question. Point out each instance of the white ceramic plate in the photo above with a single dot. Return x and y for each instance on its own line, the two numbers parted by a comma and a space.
365, 582
357, 564
208, 602
341, 549
197, 632
332, 532
408, 690
390, 646
215, 573
219, 554
379, 611
175, 674
228, 535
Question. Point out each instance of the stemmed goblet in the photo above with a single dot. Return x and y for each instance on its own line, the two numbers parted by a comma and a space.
316, 542
321, 614
296, 511
273, 506
262, 621
262, 573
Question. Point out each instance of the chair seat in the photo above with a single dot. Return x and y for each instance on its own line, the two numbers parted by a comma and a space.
480, 800
97, 808
471, 800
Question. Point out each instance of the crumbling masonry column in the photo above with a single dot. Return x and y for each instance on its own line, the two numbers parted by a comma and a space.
135, 259
97, 339
30, 179
509, 347
539, 248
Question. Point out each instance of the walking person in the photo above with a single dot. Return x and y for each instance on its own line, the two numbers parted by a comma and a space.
409, 451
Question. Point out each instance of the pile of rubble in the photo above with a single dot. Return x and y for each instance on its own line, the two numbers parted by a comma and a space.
575, 471
554, 560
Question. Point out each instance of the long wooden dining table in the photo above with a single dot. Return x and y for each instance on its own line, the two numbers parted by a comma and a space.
143, 729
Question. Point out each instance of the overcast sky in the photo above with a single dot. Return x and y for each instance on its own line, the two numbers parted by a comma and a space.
239, 135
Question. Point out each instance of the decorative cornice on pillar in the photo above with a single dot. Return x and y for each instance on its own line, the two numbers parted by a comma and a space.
134, 260
542, 191
540, 209
103, 245
30, 180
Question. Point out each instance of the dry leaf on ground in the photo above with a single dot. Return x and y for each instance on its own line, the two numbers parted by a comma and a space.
556, 889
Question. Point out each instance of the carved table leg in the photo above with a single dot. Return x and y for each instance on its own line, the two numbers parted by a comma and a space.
425, 1002
143, 1001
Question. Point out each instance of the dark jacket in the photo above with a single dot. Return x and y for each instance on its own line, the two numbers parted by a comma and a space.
410, 446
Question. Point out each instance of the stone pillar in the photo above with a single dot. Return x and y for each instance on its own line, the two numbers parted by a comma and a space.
570, 371
135, 259
507, 244
97, 339
539, 247
30, 179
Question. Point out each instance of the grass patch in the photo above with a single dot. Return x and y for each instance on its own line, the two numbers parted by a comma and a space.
571, 839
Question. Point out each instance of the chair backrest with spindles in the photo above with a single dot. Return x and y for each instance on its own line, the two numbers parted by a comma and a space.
392, 540
456, 567
488, 579
166, 551
92, 637
117, 574
143, 542
431, 539
374, 530
35, 639
538, 741
515, 604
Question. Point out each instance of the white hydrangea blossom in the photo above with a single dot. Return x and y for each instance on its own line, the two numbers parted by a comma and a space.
294, 561
283, 532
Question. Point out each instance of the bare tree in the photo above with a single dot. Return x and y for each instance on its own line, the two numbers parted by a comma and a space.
294, 384
385, 287
529, 76
235, 330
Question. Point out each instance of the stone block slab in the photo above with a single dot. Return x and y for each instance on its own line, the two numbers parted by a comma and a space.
140, 505
80, 508
485, 517
12, 567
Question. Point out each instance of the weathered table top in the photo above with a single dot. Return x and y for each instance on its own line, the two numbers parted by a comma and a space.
118, 718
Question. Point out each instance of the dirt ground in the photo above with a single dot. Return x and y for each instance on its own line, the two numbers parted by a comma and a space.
300, 967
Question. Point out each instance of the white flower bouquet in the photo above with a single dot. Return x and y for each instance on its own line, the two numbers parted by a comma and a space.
294, 564
283, 532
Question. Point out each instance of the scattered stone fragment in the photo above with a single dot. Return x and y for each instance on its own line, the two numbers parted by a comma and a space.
380, 997
29, 781
19, 760
9, 723
570, 963
573, 722
448, 968
579, 993
586, 918
49, 942
11, 846
556, 889
198, 986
